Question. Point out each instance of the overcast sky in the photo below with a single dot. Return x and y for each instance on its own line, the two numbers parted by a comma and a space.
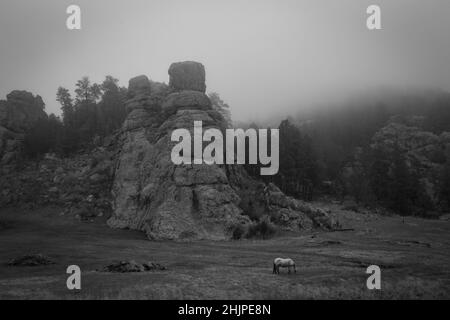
262, 56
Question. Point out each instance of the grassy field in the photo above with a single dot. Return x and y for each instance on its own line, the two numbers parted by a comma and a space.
413, 255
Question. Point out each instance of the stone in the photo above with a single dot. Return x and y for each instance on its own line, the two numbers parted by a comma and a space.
425, 153
132, 266
187, 99
149, 266
18, 114
188, 75
139, 85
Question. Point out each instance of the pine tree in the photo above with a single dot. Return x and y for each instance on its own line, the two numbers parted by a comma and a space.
298, 171
64, 98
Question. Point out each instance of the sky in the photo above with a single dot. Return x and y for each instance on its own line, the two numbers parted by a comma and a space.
264, 57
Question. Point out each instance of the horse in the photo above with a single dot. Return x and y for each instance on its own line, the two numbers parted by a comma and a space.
283, 263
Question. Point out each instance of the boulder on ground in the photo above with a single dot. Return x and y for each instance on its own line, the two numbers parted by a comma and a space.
31, 260
132, 266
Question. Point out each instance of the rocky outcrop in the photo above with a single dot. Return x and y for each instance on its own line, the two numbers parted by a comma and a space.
155, 195
170, 201
79, 185
18, 114
188, 75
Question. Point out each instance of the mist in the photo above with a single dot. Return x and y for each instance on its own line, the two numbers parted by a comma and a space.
265, 58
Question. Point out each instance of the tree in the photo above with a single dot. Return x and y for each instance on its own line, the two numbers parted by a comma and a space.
379, 174
44, 136
85, 92
86, 113
298, 171
111, 108
401, 187
445, 185
64, 98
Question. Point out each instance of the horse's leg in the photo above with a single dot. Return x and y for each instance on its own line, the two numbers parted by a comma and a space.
295, 271
289, 269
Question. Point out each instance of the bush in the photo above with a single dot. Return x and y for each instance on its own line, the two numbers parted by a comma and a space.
263, 229
237, 231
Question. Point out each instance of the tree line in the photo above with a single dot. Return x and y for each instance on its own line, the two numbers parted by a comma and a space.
95, 111
331, 154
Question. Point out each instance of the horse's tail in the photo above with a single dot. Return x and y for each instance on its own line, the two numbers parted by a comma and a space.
274, 268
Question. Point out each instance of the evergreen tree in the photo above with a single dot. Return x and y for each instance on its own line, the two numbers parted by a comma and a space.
298, 171
64, 98
111, 108
445, 185
401, 187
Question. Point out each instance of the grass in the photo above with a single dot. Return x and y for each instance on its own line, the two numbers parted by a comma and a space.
329, 265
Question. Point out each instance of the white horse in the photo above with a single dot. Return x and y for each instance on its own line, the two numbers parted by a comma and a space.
283, 263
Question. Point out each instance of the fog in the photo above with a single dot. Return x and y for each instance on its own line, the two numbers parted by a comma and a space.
264, 57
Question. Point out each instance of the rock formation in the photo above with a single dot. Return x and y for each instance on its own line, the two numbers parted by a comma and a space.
18, 114
188, 75
79, 185
170, 201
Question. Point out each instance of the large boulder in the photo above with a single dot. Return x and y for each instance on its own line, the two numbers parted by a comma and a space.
188, 75
152, 193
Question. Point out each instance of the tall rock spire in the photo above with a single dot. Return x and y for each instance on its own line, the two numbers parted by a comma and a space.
199, 201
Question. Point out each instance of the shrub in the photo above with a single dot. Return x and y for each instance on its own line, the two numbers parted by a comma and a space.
237, 231
262, 229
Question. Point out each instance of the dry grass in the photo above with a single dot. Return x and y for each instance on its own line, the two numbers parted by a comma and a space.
329, 265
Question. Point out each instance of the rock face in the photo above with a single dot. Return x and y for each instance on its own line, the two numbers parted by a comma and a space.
31, 260
18, 114
188, 75
165, 200
79, 185
151, 193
